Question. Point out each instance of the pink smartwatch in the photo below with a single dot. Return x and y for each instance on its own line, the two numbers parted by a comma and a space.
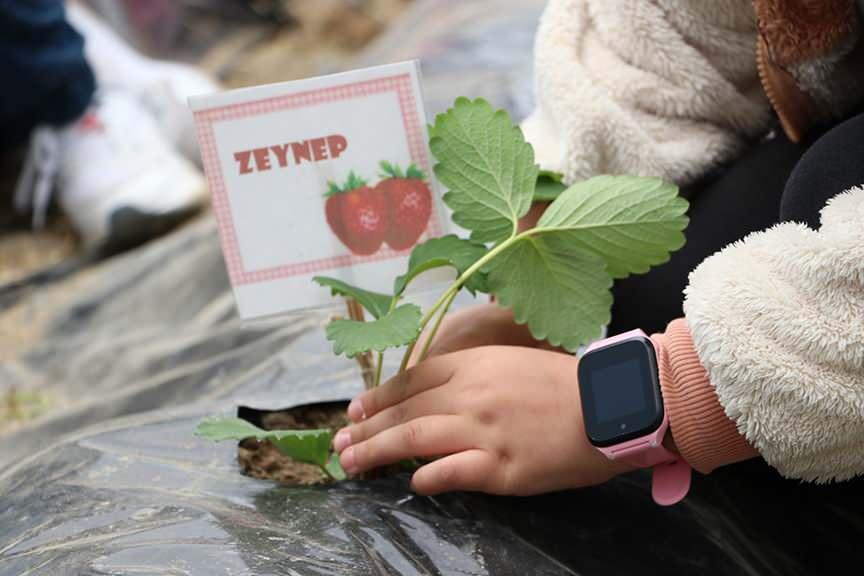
622, 407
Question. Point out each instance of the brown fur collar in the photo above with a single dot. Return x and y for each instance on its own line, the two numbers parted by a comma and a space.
811, 60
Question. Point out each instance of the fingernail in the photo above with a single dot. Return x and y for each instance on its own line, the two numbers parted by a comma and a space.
342, 440
355, 410
347, 461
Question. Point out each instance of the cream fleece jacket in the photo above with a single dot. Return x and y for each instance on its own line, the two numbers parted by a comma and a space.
770, 357
777, 320
663, 88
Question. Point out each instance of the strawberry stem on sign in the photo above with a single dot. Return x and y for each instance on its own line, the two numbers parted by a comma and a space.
389, 170
332, 189
353, 182
414, 173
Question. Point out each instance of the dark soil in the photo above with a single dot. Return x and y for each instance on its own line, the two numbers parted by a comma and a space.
264, 460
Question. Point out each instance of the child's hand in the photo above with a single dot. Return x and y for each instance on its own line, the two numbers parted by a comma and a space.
506, 420
480, 325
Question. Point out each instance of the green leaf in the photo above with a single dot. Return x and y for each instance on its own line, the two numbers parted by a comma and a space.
488, 167
398, 327
557, 276
551, 175
310, 446
375, 303
549, 186
447, 250
631, 222
334, 468
559, 290
219, 429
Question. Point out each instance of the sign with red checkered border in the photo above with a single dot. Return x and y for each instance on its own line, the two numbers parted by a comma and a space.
323, 176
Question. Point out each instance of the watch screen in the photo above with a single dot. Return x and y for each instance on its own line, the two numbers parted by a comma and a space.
620, 392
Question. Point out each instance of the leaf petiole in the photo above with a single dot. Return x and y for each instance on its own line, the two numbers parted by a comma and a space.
447, 297
428, 343
380, 366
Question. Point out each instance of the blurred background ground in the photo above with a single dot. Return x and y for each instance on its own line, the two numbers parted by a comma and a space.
240, 42
83, 341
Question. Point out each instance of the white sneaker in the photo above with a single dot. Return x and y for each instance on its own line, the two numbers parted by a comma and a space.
163, 86
119, 182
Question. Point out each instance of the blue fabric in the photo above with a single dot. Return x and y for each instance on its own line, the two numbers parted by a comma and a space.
46, 79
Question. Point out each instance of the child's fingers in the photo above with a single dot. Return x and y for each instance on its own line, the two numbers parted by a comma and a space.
471, 470
428, 403
429, 374
427, 436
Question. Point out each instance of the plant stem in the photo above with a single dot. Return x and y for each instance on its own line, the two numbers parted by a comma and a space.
380, 365
327, 472
450, 293
423, 321
428, 343
355, 312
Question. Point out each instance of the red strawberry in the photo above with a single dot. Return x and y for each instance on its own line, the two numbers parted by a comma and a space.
409, 204
357, 215
333, 211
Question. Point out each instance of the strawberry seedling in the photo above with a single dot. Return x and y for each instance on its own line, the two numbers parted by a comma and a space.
556, 276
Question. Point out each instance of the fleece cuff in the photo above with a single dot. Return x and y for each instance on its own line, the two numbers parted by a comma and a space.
704, 436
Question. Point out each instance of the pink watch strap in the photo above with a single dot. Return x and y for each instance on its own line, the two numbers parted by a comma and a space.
670, 477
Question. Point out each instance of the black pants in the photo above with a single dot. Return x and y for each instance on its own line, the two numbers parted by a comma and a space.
777, 181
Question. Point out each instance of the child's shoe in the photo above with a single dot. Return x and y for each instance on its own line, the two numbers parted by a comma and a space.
118, 180
162, 86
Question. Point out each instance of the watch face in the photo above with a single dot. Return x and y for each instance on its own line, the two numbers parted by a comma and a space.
620, 392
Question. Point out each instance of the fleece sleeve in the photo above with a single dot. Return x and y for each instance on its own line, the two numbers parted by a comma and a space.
664, 88
777, 323
704, 435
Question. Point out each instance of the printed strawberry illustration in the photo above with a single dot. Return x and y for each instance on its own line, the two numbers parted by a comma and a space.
357, 215
409, 204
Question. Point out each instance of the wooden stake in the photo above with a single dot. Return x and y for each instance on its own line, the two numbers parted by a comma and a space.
367, 363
